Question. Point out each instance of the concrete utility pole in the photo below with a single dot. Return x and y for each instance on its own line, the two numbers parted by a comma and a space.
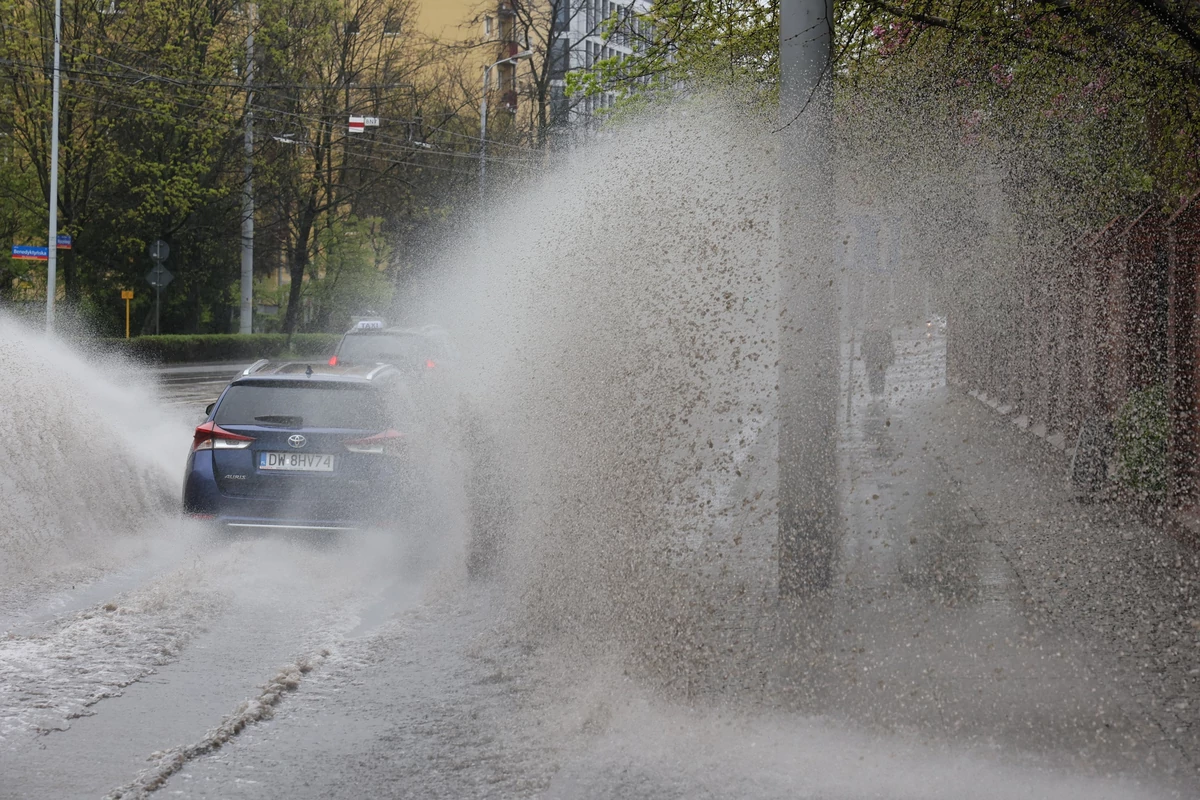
246, 317
52, 239
808, 336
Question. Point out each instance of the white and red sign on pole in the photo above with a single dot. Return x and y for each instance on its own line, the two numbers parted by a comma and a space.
357, 124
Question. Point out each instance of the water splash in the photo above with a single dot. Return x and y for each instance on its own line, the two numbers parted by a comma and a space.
617, 319
87, 455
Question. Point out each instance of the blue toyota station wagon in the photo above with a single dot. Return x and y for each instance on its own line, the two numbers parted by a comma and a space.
305, 446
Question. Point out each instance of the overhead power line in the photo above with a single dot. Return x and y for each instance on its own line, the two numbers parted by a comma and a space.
359, 147
193, 80
382, 141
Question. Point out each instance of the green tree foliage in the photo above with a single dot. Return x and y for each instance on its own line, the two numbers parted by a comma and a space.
1091, 102
154, 99
19, 204
1097, 99
144, 139
688, 42
351, 254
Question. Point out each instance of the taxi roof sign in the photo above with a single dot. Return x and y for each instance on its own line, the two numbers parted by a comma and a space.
369, 324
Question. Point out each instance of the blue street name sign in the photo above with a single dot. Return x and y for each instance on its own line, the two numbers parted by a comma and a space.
30, 253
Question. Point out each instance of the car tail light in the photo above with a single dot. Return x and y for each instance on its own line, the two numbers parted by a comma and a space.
333, 361
430, 363
390, 442
211, 436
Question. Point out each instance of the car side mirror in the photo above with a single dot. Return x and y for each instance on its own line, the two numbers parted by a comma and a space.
208, 408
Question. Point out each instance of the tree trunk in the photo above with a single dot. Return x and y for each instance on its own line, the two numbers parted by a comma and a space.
70, 275
299, 264
296, 270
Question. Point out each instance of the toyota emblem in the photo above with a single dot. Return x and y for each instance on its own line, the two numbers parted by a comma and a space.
297, 441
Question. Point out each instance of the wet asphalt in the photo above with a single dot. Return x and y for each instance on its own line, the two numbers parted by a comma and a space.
986, 636
932, 640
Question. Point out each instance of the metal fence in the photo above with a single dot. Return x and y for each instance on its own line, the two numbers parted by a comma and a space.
1072, 341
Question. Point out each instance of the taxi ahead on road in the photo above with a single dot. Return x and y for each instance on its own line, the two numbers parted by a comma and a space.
417, 351
304, 446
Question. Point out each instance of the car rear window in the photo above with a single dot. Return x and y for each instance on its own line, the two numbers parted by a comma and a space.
310, 405
403, 350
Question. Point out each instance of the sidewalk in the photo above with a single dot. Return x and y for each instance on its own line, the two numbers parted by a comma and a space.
977, 602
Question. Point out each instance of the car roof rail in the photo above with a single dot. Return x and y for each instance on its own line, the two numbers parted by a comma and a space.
379, 369
256, 366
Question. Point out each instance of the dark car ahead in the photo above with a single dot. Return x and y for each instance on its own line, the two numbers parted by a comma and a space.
307, 446
426, 350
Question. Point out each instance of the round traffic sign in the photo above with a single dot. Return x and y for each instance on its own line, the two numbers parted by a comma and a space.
159, 250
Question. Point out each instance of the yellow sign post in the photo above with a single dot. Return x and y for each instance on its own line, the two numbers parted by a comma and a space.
127, 295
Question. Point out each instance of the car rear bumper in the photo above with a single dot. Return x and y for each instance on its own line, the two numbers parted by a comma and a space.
203, 500
286, 525
261, 516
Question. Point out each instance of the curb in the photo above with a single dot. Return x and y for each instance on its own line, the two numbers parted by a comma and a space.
201, 368
1183, 524
1056, 441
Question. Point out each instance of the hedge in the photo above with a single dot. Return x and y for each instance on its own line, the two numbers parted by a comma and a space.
1141, 430
221, 347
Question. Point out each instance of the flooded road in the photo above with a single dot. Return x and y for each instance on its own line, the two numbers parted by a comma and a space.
948, 661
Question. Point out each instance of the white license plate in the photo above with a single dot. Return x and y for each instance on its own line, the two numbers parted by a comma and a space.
296, 462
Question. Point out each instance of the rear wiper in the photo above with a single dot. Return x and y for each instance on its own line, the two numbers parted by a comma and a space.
280, 419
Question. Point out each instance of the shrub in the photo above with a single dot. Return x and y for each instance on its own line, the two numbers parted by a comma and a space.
222, 347
1140, 437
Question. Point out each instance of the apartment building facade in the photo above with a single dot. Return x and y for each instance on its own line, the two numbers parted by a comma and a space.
587, 32
563, 36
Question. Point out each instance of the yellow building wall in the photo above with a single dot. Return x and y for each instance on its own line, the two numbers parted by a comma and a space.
449, 21
458, 25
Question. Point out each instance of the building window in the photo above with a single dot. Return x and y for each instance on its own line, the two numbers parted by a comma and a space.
350, 28
560, 60
487, 27
391, 25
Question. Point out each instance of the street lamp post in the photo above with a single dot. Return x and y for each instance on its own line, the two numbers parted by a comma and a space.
487, 71
246, 304
52, 238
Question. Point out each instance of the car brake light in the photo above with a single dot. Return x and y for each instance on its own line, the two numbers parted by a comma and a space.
430, 363
333, 361
390, 442
211, 436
